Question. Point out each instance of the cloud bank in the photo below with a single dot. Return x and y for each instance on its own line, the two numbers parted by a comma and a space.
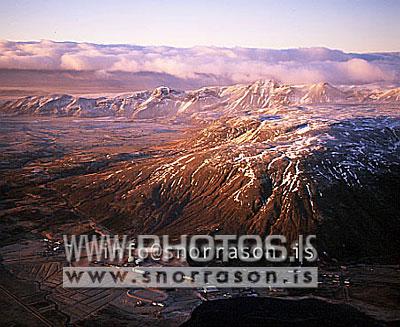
236, 65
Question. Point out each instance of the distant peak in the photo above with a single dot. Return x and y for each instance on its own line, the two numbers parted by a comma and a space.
322, 86
161, 91
264, 83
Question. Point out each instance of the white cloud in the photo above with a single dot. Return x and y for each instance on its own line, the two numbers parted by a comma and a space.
234, 64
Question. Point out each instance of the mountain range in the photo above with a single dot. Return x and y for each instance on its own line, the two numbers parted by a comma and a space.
203, 103
266, 158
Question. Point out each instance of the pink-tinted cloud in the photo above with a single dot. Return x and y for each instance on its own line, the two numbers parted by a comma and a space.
234, 64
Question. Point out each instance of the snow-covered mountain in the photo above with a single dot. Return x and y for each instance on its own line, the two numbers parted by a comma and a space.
325, 93
259, 96
330, 169
272, 159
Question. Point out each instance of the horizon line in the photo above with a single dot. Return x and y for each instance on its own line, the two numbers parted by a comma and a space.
199, 46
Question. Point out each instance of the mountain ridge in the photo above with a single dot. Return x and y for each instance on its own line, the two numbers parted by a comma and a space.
170, 103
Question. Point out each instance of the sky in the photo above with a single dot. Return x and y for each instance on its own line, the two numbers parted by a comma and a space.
351, 26
197, 43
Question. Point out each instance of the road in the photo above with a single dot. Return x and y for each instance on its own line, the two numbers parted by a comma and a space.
26, 307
